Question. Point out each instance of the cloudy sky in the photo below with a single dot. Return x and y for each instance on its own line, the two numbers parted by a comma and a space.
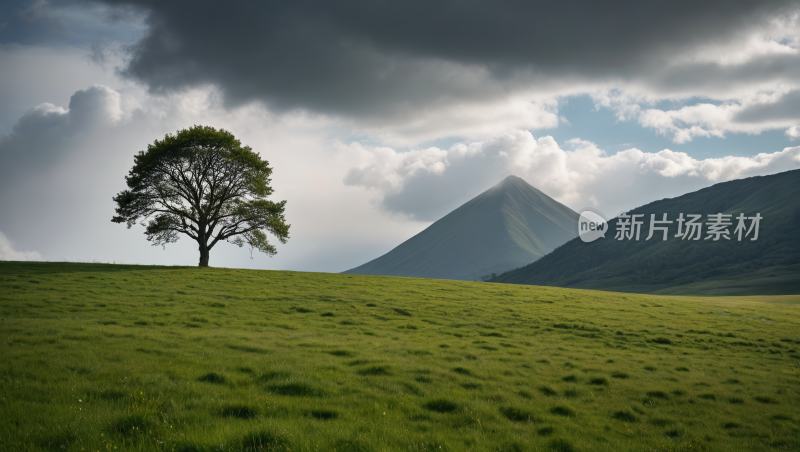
381, 117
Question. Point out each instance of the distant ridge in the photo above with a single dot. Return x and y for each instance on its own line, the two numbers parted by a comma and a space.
507, 226
767, 266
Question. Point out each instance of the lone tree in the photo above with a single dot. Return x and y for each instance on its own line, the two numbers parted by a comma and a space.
201, 182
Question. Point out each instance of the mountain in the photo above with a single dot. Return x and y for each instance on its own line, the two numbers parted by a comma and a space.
505, 227
768, 265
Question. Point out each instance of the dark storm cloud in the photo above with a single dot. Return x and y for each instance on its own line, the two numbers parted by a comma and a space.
363, 58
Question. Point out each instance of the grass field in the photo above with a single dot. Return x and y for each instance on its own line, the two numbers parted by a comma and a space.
111, 357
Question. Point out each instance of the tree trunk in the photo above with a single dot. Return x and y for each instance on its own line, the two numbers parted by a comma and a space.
203, 255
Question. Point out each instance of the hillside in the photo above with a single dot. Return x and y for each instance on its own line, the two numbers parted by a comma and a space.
113, 357
505, 227
769, 265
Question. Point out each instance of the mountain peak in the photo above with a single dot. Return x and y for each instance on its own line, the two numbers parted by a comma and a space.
505, 227
513, 179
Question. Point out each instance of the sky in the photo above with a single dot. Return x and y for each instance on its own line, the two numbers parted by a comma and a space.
379, 118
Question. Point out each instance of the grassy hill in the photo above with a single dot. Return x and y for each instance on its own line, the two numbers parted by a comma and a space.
769, 265
112, 357
505, 227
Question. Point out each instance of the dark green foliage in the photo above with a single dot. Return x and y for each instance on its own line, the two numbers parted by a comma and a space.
375, 370
657, 394
563, 411
570, 378
324, 414
736, 400
600, 381
624, 416
401, 311
296, 389
517, 414
202, 183
212, 377
272, 375
261, 441
707, 396
661, 340
238, 411
548, 391
682, 369
246, 348
619, 375
462, 371
765, 399
545, 431
344, 353
571, 393
561, 445
132, 425
441, 406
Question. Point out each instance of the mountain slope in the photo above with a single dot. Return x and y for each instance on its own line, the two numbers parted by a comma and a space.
769, 265
505, 227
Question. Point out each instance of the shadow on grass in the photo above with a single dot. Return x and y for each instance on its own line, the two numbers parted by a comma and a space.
441, 406
212, 377
296, 389
238, 411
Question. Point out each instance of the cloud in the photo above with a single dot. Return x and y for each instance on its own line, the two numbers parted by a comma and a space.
421, 70
793, 132
8, 253
426, 184
41, 138
61, 166
751, 114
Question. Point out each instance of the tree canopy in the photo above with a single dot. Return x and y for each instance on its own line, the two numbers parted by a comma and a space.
203, 183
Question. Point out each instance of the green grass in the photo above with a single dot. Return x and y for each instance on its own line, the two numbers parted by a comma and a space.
185, 359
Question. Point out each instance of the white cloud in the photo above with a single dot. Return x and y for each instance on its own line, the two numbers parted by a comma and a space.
60, 167
33, 75
579, 176
8, 253
793, 132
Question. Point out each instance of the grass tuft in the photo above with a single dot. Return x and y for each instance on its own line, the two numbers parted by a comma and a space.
561, 445
296, 390
375, 370
441, 406
517, 414
548, 391
212, 377
324, 414
238, 411
624, 416
563, 411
